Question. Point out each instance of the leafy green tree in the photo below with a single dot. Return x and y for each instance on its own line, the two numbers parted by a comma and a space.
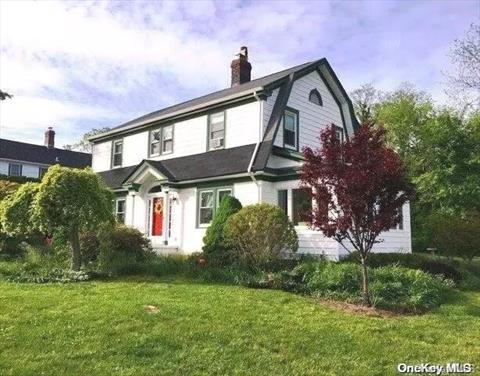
7, 188
215, 246
16, 210
84, 144
70, 201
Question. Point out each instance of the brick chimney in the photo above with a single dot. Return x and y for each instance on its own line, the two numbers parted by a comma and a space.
50, 138
241, 68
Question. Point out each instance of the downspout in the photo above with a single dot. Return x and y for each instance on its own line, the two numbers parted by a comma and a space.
257, 145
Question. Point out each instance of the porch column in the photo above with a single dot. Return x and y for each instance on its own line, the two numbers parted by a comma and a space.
132, 195
166, 212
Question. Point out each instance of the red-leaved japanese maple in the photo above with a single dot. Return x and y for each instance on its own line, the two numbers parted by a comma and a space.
358, 188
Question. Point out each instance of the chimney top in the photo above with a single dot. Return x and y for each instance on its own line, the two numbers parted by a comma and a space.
49, 140
241, 68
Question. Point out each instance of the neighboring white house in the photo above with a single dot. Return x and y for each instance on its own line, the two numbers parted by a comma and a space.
32, 161
171, 168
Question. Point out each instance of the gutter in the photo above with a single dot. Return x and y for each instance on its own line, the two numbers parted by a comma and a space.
192, 109
257, 145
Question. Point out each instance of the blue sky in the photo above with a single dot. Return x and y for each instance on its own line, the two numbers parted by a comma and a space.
80, 65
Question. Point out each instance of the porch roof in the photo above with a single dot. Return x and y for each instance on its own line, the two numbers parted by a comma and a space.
211, 164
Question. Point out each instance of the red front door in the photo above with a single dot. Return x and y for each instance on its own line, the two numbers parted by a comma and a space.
157, 216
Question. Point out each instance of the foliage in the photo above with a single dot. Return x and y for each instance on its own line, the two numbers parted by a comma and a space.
69, 202
392, 287
4, 95
18, 179
215, 246
453, 235
122, 248
7, 188
359, 187
259, 234
426, 263
84, 144
16, 210
365, 99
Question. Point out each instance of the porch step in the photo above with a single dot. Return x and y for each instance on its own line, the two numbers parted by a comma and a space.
165, 249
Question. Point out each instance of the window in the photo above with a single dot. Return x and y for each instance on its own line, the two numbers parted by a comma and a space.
315, 97
399, 226
161, 141
221, 193
14, 169
42, 171
117, 153
339, 133
208, 202
120, 210
216, 131
301, 206
283, 200
290, 129
206, 206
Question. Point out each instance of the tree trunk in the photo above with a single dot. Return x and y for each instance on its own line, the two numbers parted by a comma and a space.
365, 289
76, 257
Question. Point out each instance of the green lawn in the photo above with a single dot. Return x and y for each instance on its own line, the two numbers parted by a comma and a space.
102, 328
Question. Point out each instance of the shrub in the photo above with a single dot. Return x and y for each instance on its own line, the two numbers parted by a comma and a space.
453, 235
89, 247
406, 289
418, 261
16, 210
259, 234
215, 247
391, 287
122, 248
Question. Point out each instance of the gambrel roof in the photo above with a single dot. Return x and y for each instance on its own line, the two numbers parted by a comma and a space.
260, 86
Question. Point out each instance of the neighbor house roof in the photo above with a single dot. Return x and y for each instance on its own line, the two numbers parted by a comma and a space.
21, 151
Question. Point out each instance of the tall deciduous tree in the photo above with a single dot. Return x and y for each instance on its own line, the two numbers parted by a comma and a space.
84, 144
70, 201
359, 187
365, 99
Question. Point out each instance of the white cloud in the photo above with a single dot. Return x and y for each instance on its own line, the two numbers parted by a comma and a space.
81, 64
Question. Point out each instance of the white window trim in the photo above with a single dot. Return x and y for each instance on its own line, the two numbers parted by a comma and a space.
124, 212
161, 150
15, 164
114, 154
209, 138
216, 191
296, 138
199, 206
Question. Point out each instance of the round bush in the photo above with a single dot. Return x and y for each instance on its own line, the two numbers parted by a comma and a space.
260, 234
122, 248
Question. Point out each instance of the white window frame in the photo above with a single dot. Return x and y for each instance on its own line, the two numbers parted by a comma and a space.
114, 143
216, 201
20, 169
295, 116
200, 207
209, 135
117, 212
339, 133
161, 141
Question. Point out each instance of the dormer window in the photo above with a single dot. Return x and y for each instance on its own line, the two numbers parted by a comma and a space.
161, 141
290, 129
117, 152
216, 131
315, 97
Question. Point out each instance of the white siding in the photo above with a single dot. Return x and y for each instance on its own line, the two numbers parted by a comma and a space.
30, 170
101, 156
190, 137
313, 118
3, 167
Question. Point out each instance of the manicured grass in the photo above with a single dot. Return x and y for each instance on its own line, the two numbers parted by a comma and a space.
102, 328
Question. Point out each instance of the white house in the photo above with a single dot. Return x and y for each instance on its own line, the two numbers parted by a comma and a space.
20, 159
170, 168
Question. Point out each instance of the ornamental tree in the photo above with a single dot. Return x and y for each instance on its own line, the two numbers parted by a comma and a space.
70, 201
359, 187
